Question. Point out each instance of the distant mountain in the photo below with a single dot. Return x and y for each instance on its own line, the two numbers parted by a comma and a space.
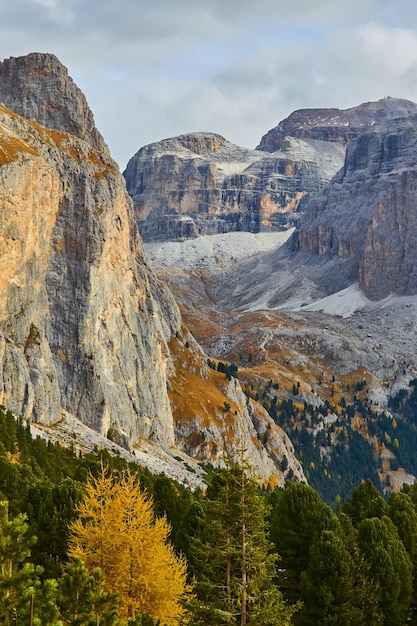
323, 327
201, 184
335, 125
367, 215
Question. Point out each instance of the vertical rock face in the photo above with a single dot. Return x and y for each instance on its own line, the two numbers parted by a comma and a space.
201, 184
84, 324
367, 214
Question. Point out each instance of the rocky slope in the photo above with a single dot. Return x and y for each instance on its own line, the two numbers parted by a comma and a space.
201, 184
86, 329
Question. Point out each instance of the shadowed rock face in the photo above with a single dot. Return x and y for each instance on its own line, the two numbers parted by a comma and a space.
201, 184
335, 125
367, 214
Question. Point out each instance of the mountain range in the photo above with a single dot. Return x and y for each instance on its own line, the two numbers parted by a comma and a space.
328, 306
274, 302
87, 331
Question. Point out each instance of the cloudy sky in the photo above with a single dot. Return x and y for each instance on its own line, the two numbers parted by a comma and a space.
153, 69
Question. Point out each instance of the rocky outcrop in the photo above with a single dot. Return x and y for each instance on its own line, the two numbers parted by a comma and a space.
212, 415
367, 214
335, 125
201, 184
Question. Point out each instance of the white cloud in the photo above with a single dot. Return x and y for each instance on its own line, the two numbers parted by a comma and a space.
156, 69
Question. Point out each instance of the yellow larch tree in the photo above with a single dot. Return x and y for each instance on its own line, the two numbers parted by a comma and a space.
117, 531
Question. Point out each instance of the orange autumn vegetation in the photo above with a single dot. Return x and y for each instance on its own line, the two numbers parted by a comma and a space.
117, 531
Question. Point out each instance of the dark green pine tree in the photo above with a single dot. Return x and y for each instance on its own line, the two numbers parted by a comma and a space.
232, 555
390, 568
333, 586
404, 515
365, 502
298, 517
83, 599
22, 596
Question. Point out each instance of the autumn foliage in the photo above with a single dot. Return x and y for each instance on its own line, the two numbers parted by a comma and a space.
117, 531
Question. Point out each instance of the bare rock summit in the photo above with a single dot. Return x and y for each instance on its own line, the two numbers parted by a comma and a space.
37, 86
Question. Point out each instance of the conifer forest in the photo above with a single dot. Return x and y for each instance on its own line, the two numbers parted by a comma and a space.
95, 540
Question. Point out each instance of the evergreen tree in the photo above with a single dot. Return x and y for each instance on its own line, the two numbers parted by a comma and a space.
21, 592
298, 517
83, 600
390, 568
402, 512
330, 587
365, 502
117, 532
232, 554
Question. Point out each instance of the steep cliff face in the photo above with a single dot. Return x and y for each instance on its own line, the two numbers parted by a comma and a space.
201, 184
367, 214
335, 125
84, 324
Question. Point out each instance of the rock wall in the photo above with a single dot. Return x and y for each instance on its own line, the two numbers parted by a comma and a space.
201, 184
367, 214
84, 324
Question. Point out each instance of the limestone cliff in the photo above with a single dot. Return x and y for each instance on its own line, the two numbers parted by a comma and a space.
38, 87
85, 326
201, 184
367, 215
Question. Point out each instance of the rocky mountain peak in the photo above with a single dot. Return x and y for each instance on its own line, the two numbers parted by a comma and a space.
336, 125
201, 143
37, 86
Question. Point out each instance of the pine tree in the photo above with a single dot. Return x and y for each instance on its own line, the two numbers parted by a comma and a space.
404, 515
83, 599
390, 567
329, 585
21, 592
117, 531
232, 555
298, 517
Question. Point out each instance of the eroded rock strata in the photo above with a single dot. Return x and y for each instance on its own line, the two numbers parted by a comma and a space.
201, 184
367, 214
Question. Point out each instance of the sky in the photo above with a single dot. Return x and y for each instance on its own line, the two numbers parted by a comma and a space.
153, 69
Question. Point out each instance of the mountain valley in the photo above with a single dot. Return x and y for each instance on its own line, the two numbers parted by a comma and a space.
272, 307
